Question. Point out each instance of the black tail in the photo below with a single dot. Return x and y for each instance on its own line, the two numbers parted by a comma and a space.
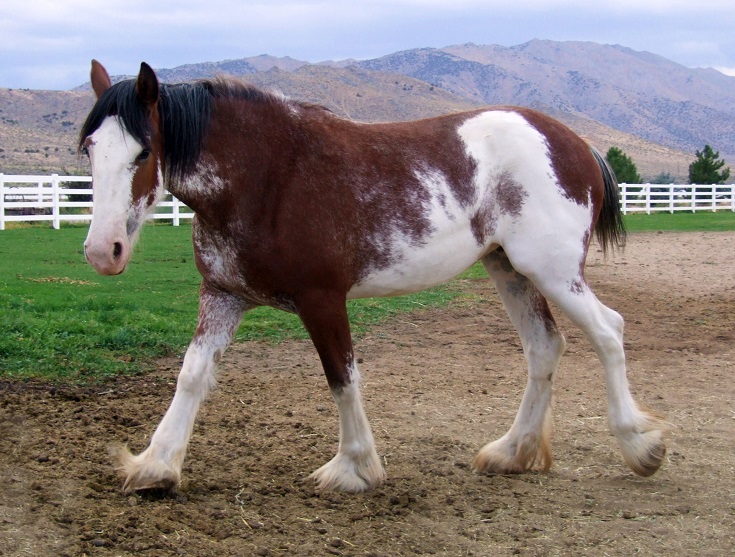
610, 229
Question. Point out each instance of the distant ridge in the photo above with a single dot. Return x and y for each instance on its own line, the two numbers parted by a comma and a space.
635, 92
658, 111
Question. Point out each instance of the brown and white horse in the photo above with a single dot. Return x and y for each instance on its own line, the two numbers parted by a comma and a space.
301, 210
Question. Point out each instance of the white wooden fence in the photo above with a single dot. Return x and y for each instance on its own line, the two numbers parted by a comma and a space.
655, 198
55, 199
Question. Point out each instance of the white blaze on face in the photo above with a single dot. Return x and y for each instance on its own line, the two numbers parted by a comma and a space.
112, 153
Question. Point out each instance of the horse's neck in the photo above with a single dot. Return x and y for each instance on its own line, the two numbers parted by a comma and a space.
238, 153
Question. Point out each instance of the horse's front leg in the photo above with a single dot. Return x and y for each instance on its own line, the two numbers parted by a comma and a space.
159, 466
356, 467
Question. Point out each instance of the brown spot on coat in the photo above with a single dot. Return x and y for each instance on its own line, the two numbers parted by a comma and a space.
577, 172
509, 195
506, 198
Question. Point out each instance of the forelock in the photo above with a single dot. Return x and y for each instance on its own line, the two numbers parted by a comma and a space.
122, 101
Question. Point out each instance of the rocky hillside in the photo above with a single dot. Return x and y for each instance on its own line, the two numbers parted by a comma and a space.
635, 92
38, 131
657, 111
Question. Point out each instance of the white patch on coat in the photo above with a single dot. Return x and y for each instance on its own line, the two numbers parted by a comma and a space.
218, 254
502, 144
220, 258
112, 153
204, 181
115, 222
442, 254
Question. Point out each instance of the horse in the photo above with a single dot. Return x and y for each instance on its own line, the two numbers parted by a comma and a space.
299, 209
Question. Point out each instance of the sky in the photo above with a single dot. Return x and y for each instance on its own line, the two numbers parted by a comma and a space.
48, 44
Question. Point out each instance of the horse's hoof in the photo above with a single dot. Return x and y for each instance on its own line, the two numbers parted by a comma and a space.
643, 447
344, 474
142, 472
647, 462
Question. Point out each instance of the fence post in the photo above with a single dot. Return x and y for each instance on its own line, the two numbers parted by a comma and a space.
55, 210
648, 198
2, 201
623, 197
693, 193
671, 199
176, 204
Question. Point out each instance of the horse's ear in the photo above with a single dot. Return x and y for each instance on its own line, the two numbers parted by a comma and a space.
146, 86
100, 79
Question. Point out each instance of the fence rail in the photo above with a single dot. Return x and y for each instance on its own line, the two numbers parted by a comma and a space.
64, 198
670, 198
59, 199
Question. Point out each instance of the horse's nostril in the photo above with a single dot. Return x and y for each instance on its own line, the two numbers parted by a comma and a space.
117, 249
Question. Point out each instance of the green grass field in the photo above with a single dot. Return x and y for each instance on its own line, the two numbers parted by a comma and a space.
63, 322
701, 221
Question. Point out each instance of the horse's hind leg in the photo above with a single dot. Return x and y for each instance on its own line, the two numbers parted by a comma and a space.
639, 433
159, 466
527, 443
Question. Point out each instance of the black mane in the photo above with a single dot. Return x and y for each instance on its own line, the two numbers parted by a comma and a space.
185, 110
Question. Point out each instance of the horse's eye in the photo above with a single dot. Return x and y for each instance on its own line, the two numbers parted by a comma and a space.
144, 154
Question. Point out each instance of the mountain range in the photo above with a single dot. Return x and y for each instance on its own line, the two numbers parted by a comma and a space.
657, 111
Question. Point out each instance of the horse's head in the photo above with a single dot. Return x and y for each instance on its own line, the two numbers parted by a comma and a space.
122, 137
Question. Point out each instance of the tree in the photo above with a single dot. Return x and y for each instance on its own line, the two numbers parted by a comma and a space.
624, 167
663, 178
706, 168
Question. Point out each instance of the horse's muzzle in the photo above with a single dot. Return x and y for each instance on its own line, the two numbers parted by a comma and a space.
108, 257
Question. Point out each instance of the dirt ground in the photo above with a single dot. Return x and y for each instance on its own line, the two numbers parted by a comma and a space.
438, 384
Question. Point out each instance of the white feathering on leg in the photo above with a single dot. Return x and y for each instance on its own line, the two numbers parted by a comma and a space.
356, 467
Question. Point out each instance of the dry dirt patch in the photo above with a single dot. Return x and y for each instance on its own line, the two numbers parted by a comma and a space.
438, 385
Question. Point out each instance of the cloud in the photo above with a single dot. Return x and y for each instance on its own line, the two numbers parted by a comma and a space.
52, 37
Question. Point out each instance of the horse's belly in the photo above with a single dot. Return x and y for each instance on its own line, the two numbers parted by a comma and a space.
416, 268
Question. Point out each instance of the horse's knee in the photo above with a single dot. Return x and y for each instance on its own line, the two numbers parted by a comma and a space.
197, 372
614, 320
